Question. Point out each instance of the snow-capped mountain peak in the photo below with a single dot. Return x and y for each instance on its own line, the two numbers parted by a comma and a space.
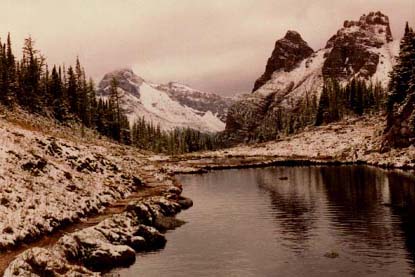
173, 105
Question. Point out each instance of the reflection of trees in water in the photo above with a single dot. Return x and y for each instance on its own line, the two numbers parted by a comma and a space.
354, 199
355, 196
292, 201
402, 200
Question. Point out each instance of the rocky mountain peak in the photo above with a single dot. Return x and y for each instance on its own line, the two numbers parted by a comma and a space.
353, 47
372, 29
172, 105
288, 53
293, 36
377, 18
126, 78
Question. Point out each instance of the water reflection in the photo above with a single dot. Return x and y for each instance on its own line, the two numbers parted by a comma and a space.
402, 204
368, 211
293, 202
355, 201
282, 221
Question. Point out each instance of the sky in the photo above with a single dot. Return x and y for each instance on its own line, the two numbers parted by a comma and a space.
217, 46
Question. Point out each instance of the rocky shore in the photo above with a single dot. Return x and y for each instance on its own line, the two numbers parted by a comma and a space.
111, 243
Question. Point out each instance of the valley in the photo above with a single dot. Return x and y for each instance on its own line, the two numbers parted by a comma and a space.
93, 178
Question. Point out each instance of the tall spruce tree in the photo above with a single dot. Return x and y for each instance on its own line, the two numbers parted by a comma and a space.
115, 98
400, 77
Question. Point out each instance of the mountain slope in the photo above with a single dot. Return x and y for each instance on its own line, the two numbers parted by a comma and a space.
170, 106
360, 49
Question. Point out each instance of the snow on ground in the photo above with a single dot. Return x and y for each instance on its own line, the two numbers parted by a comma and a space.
111, 243
350, 140
49, 178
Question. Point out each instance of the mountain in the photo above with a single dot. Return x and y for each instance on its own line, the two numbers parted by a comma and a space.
171, 105
295, 74
288, 52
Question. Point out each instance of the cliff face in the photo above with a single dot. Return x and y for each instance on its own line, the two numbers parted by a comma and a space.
292, 83
288, 52
352, 47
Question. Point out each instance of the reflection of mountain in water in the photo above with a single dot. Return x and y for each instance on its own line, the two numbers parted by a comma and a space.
352, 201
293, 202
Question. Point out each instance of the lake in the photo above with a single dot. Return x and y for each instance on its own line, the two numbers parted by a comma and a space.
291, 221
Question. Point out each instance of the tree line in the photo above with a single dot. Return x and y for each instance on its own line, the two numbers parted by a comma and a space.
400, 108
355, 98
66, 95
61, 93
146, 135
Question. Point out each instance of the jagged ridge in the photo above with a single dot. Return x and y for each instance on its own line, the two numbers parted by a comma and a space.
360, 49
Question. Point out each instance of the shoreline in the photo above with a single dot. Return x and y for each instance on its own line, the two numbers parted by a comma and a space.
263, 161
103, 174
166, 208
111, 243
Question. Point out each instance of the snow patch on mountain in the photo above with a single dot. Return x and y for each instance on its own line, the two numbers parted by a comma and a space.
294, 77
387, 54
292, 85
170, 106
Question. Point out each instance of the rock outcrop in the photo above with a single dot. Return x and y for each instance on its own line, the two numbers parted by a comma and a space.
288, 52
112, 243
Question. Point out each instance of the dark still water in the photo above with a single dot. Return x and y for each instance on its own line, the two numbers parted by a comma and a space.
291, 221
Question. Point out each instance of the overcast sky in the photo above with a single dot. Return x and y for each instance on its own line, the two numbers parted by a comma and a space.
217, 45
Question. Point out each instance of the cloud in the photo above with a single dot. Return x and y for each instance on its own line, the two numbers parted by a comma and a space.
216, 45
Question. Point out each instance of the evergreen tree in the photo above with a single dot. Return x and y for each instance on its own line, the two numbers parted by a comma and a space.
30, 73
115, 98
72, 91
400, 77
323, 107
59, 103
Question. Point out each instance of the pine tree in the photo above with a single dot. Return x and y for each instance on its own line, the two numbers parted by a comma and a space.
115, 99
323, 107
10, 73
59, 103
400, 77
72, 92
401, 97
31, 68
